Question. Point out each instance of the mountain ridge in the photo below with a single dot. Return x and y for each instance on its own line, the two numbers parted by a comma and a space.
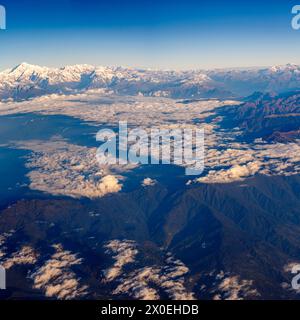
26, 81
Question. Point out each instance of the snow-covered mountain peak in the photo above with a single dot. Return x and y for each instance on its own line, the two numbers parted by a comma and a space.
284, 68
80, 68
28, 68
27, 80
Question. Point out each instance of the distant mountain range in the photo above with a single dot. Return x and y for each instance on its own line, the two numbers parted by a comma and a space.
269, 116
27, 81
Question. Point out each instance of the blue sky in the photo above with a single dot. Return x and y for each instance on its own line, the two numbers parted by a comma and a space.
156, 34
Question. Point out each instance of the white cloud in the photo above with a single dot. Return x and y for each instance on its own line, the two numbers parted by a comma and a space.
226, 160
142, 283
60, 168
288, 268
237, 161
124, 252
57, 279
148, 182
3, 238
140, 111
26, 256
231, 287
109, 184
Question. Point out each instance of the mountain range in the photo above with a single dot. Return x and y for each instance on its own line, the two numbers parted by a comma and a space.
167, 238
221, 234
272, 117
26, 81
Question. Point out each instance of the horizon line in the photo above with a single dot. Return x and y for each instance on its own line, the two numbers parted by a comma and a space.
149, 68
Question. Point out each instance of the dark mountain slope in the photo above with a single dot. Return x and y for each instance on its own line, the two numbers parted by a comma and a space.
250, 230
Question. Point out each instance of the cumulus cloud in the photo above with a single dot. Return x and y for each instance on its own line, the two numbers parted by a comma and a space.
92, 106
143, 283
26, 256
239, 161
235, 173
226, 159
109, 184
232, 287
56, 277
289, 267
3, 239
124, 252
61, 168
148, 182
